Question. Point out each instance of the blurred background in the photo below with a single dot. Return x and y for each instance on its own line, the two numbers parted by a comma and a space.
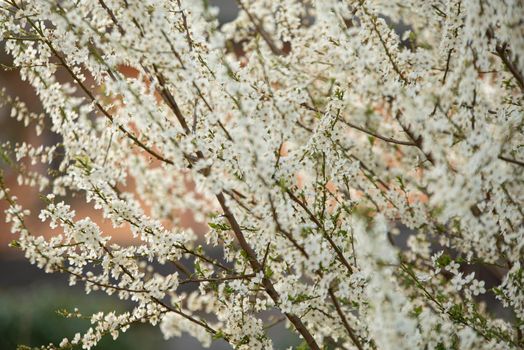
30, 300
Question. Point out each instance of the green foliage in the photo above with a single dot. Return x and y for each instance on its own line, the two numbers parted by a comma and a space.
29, 318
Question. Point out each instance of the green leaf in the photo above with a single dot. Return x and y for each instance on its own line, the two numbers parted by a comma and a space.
219, 226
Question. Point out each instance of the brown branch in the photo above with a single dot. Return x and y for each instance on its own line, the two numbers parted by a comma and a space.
502, 52
511, 160
348, 328
94, 100
188, 317
448, 60
181, 267
269, 41
383, 138
284, 232
321, 227
417, 140
373, 20
257, 267
186, 28
230, 217
217, 279
170, 100
61, 268
112, 15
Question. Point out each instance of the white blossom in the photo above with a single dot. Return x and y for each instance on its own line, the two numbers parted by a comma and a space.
357, 166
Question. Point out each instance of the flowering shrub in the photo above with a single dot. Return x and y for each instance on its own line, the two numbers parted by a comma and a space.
304, 134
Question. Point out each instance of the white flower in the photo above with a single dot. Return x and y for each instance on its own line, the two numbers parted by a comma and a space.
477, 287
306, 162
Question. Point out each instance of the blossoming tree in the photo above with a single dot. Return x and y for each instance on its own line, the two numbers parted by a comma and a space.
304, 134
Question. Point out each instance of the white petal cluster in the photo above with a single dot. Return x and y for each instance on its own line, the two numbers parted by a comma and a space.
352, 169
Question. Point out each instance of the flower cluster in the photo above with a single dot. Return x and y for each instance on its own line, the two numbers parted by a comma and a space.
358, 164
